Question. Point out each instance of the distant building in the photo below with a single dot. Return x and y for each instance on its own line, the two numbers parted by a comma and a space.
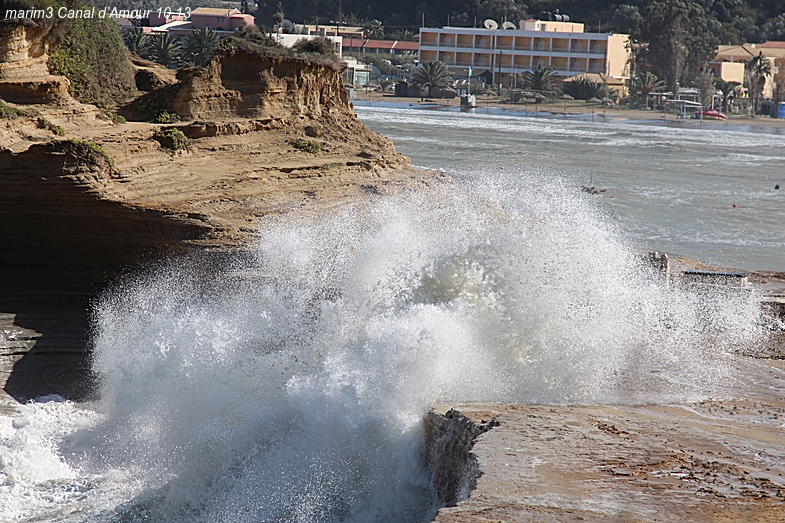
502, 52
356, 73
221, 20
346, 31
357, 46
730, 61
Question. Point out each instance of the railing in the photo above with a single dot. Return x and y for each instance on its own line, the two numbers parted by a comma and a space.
505, 47
579, 50
558, 49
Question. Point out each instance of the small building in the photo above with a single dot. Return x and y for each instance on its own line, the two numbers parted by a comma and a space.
220, 19
356, 73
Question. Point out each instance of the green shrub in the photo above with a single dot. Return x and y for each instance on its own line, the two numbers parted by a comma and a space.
8, 112
318, 45
308, 146
90, 145
92, 56
43, 123
171, 138
114, 117
166, 117
583, 88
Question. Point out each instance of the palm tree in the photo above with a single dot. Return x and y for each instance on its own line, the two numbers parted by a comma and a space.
432, 74
540, 79
726, 87
200, 45
758, 68
373, 29
165, 49
135, 40
645, 84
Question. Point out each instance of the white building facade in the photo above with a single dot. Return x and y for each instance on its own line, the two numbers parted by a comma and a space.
500, 53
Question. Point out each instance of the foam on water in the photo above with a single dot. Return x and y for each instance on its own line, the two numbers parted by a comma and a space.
291, 386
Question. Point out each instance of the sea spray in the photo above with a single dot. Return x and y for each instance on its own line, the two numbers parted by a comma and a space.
291, 386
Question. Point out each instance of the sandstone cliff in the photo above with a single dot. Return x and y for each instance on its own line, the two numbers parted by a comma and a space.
102, 212
24, 76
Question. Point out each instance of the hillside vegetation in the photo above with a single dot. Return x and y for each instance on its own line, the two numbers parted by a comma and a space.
733, 21
89, 52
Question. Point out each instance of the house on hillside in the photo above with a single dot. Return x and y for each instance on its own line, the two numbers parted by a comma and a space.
221, 20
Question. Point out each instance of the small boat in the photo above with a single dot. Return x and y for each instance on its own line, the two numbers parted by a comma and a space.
709, 114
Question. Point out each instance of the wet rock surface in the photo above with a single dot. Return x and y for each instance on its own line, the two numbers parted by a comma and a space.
719, 460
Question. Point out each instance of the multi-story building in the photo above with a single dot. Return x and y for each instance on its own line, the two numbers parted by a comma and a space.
499, 53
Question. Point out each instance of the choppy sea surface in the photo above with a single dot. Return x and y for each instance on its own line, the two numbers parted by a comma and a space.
289, 386
672, 188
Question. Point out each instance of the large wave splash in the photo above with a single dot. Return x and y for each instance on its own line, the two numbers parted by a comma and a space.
290, 385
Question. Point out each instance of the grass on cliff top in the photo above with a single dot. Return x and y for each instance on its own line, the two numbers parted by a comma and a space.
86, 144
250, 39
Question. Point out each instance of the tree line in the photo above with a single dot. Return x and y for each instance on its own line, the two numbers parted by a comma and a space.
732, 21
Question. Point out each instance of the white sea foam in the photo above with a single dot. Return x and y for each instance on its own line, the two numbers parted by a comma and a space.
291, 386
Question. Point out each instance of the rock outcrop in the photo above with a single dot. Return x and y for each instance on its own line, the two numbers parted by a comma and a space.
24, 76
248, 84
701, 462
449, 439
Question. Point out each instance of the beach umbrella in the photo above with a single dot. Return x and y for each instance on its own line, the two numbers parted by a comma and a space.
594, 100
607, 101
539, 96
527, 94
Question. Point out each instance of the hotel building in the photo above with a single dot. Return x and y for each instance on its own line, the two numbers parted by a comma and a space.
497, 54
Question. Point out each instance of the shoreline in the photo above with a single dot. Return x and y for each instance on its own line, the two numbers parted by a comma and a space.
574, 111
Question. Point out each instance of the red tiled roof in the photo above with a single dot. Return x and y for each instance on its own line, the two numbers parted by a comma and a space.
407, 46
354, 43
773, 45
379, 44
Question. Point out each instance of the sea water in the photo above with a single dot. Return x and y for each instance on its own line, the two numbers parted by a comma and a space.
290, 385
672, 188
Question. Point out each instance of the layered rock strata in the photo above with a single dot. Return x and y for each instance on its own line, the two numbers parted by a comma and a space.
24, 76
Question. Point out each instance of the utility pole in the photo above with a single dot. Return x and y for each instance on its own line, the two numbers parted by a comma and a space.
500, 67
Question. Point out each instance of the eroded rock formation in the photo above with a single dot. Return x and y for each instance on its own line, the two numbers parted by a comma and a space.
24, 76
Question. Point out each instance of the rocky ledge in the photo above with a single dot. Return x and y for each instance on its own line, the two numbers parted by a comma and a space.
702, 462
